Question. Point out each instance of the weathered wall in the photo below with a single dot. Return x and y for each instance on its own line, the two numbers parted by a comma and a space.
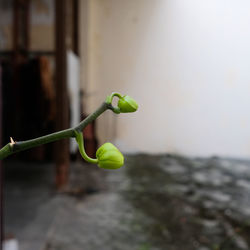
187, 64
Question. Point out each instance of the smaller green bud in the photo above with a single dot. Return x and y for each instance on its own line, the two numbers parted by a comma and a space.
126, 104
109, 157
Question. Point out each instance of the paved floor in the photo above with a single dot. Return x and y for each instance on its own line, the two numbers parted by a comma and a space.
153, 203
32, 203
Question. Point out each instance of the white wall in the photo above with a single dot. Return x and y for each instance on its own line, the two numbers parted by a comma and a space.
186, 62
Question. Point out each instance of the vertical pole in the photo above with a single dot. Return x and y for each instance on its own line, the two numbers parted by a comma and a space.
1, 168
62, 103
75, 27
21, 27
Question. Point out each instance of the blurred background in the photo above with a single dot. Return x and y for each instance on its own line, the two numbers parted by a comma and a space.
186, 179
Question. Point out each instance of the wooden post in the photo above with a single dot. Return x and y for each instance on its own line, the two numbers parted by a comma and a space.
21, 21
62, 102
75, 27
1, 169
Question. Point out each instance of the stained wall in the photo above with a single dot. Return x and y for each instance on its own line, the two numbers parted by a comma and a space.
185, 62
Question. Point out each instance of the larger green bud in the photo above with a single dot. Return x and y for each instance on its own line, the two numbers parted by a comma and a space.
109, 157
126, 104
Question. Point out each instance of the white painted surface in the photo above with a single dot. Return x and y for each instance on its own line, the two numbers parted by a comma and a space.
186, 62
11, 244
73, 82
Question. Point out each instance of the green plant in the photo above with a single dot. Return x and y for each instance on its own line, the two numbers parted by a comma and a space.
108, 156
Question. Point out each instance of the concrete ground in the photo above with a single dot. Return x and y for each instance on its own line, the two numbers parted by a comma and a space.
153, 203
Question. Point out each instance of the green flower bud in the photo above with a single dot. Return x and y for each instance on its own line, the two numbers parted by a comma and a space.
109, 157
127, 104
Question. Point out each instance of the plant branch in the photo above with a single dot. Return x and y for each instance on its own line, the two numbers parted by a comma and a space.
14, 147
79, 139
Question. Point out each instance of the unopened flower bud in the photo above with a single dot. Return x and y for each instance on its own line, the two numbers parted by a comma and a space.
127, 104
109, 157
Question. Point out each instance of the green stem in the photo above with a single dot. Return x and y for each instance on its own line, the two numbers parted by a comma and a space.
12, 148
109, 100
79, 139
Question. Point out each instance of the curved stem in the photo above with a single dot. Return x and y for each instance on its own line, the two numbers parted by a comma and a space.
15, 147
109, 100
79, 139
